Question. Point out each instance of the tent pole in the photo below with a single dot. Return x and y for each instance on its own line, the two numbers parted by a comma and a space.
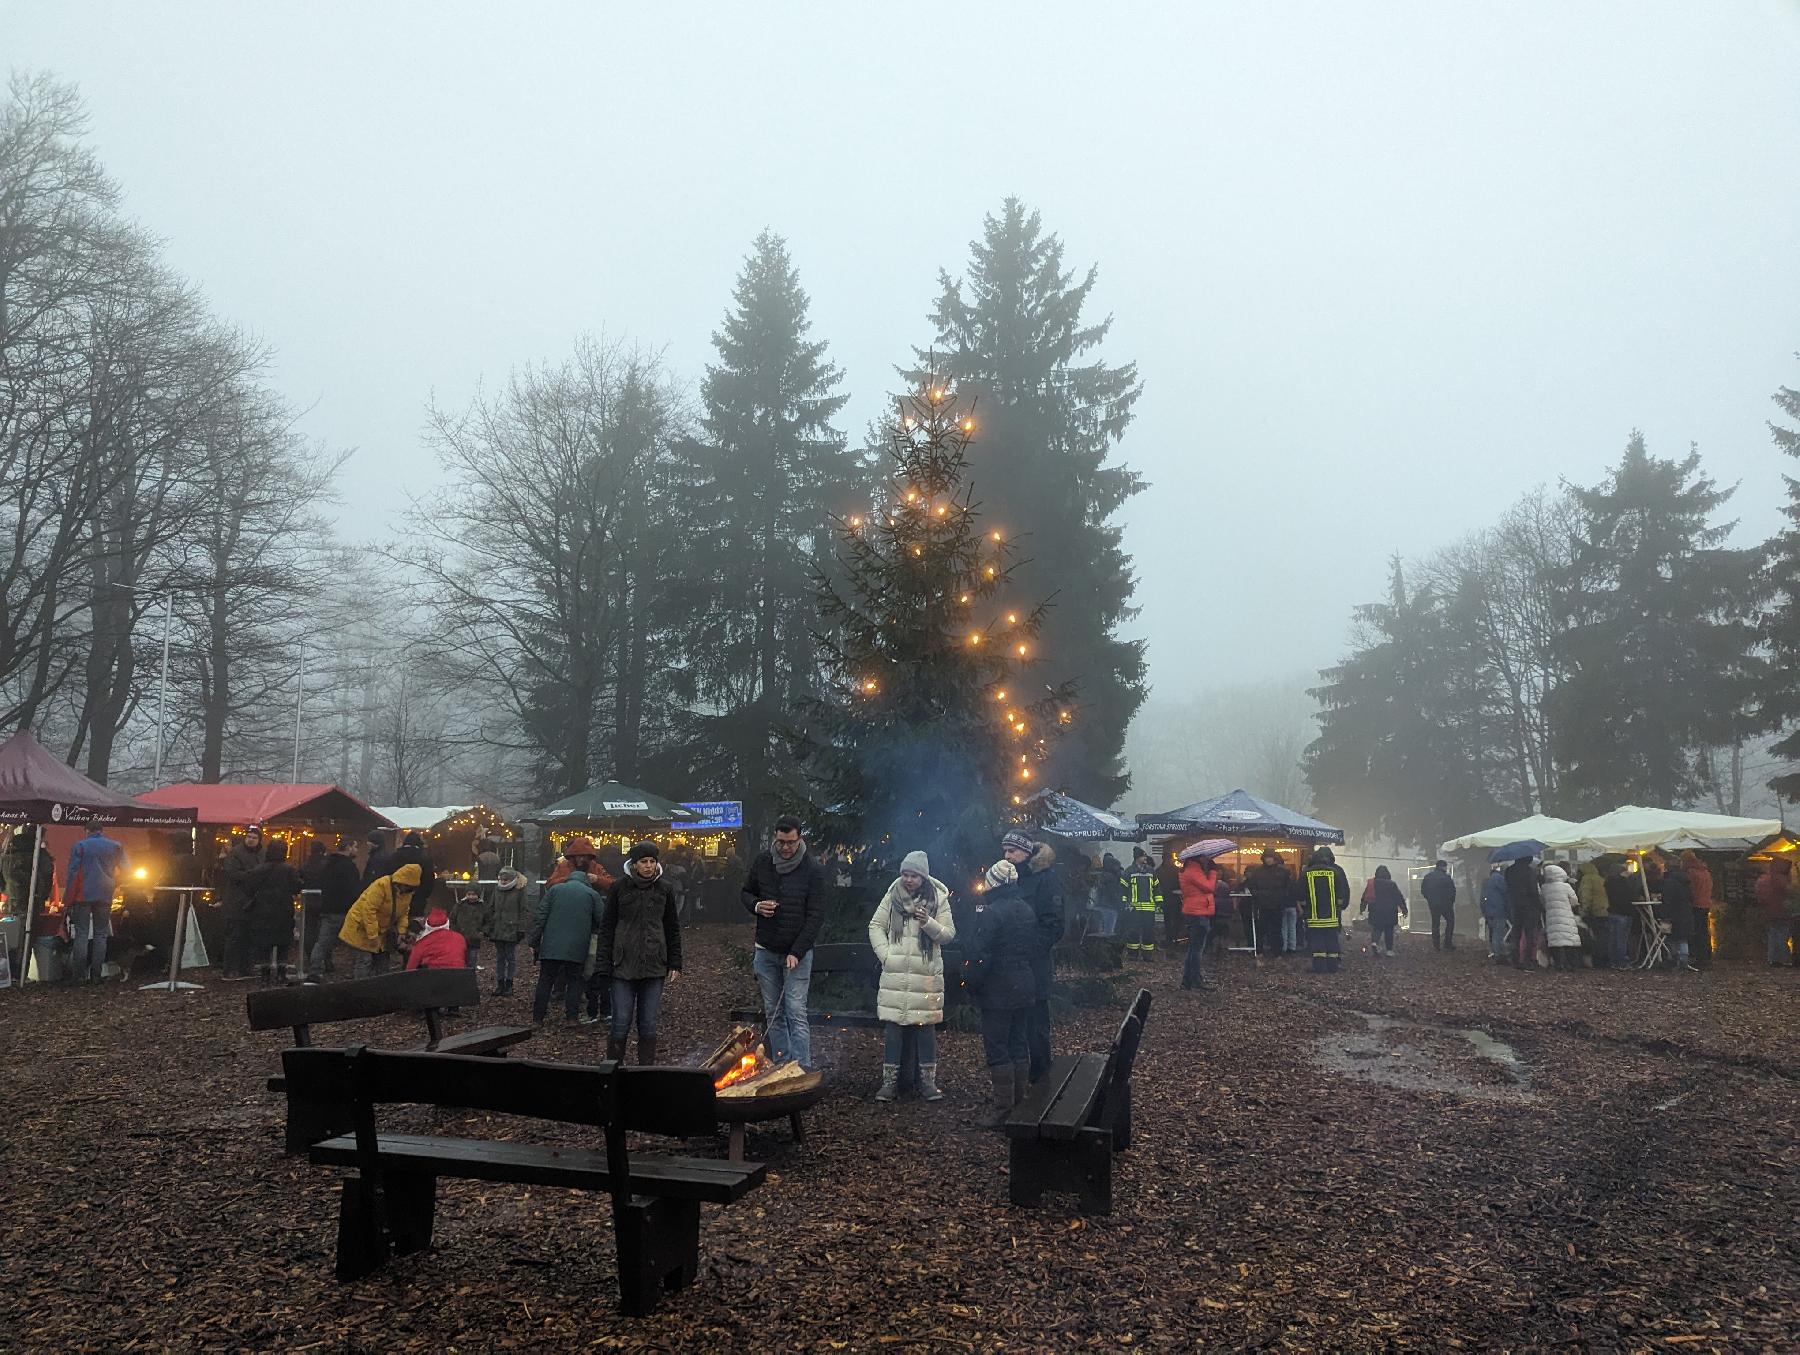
37, 858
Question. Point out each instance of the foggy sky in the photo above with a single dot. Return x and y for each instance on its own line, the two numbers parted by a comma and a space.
1382, 266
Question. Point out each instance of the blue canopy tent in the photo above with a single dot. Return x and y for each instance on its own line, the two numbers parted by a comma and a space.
1238, 815
1256, 825
1065, 816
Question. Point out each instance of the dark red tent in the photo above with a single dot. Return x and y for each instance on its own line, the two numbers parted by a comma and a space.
37, 787
236, 802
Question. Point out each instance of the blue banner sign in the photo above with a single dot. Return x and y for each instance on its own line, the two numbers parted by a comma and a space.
715, 814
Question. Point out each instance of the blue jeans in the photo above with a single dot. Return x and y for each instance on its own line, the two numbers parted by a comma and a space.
1199, 929
1496, 930
506, 963
893, 1045
642, 995
1290, 930
89, 925
784, 993
323, 944
1618, 940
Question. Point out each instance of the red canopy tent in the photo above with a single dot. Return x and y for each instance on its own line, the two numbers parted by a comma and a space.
37, 787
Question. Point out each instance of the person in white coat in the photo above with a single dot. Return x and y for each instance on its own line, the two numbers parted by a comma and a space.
908, 931
1561, 934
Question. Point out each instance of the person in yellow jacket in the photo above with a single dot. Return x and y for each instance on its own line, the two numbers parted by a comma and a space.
377, 919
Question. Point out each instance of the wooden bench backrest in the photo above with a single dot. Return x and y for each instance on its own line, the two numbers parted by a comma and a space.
358, 999
672, 1101
845, 957
1131, 1034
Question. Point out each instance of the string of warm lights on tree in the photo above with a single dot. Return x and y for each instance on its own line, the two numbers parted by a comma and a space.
931, 653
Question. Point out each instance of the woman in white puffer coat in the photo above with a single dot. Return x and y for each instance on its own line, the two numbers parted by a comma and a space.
908, 932
1561, 934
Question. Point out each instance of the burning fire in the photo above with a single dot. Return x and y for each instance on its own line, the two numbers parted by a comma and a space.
750, 1065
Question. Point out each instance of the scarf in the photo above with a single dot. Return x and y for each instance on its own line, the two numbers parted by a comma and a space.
792, 864
900, 904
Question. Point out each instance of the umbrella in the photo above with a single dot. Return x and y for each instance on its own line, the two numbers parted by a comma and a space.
1512, 851
1212, 846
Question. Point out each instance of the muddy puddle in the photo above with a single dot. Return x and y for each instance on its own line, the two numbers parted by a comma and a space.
1424, 1056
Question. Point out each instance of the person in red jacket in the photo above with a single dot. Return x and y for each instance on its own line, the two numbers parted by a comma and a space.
438, 947
1199, 902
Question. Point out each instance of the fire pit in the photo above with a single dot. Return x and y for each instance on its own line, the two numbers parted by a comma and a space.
752, 1087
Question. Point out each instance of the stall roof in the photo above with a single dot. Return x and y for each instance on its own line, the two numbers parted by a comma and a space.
251, 802
1239, 813
1531, 828
1635, 828
609, 802
420, 816
1068, 817
36, 786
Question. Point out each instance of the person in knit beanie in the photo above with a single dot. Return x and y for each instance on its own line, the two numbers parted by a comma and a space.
908, 931
1002, 949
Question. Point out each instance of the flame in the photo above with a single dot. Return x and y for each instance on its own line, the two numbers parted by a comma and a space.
751, 1065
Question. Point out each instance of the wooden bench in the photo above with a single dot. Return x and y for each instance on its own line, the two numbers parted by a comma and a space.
388, 1207
422, 991
1064, 1133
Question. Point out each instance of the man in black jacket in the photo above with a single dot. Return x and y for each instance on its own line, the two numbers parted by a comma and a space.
1440, 896
1041, 885
339, 885
381, 858
786, 891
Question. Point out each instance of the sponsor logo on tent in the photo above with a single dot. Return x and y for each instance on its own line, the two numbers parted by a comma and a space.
624, 806
1240, 815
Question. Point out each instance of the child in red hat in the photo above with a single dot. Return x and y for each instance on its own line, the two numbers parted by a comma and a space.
438, 947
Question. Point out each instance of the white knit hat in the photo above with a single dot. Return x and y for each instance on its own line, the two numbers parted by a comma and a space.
917, 862
1002, 873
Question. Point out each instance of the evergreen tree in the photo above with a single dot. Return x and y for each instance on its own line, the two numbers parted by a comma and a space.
761, 487
936, 730
1408, 736
1780, 702
1013, 334
1660, 660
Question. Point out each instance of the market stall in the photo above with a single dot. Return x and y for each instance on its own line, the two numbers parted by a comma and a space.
292, 813
38, 789
1254, 824
1066, 817
698, 842
1533, 827
453, 833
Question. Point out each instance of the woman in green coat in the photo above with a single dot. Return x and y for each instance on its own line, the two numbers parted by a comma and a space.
505, 925
567, 917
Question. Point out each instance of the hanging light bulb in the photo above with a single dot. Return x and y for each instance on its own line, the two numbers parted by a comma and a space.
1021, 651
975, 637
869, 686
999, 696
942, 510
963, 598
1012, 618
990, 571
911, 494
917, 551
856, 522
968, 425
996, 536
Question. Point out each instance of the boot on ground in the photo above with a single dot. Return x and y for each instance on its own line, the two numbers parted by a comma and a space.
928, 1087
890, 1082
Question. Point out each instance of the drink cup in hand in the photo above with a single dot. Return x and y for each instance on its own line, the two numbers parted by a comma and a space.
766, 907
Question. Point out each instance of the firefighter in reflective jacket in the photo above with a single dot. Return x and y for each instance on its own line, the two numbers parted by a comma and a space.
1144, 900
1324, 892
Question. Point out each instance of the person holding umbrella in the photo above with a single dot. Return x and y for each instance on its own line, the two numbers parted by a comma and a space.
1199, 903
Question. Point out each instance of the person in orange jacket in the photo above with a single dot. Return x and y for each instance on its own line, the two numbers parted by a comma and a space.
1199, 903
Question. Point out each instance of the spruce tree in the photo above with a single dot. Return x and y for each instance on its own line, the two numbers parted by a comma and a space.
1013, 334
761, 487
1780, 697
1660, 660
938, 729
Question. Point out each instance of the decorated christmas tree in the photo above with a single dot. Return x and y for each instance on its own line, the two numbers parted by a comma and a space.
938, 726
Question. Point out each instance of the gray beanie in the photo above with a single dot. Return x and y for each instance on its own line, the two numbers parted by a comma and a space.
917, 862
1019, 842
1002, 873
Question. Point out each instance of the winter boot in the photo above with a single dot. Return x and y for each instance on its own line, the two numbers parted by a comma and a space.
1021, 1082
615, 1050
1004, 1100
647, 1051
928, 1087
890, 1082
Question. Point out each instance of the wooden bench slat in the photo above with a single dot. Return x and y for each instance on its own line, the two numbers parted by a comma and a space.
1074, 1106
1025, 1117
709, 1180
360, 999
484, 1040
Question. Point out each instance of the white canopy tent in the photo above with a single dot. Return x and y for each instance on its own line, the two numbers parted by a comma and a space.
1535, 827
1632, 828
